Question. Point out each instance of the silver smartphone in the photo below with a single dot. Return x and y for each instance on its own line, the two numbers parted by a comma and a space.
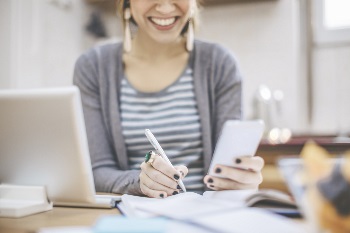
237, 138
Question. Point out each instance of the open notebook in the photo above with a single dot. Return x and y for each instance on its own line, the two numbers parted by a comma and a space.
271, 200
208, 211
44, 143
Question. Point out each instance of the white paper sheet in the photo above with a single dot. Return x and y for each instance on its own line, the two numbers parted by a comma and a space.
182, 206
212, 213
248, 220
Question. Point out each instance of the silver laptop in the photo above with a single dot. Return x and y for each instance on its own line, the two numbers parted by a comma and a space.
43, 142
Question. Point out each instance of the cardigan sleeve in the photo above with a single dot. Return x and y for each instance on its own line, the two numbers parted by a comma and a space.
228, 89
107, 174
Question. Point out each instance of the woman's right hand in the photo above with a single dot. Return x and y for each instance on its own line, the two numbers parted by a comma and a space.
158, 179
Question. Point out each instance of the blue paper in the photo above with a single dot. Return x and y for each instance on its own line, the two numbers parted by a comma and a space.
116, 224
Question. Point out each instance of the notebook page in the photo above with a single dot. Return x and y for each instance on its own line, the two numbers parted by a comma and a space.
129, 206
182, 206
248, 220
231, 195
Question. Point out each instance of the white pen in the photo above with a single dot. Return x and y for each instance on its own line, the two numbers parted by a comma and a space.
161, 152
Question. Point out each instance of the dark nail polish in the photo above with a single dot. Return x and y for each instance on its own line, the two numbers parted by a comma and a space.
175, 192
178, 187
218, 170
161, 195
210, 180
211, 186
238, 161
176, 176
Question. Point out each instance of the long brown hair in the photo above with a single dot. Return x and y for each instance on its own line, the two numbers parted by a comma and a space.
122, 4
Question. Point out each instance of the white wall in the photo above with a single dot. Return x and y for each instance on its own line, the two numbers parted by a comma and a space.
265, 38
5, 16
40, 41
331, 76
44, 41
331, 87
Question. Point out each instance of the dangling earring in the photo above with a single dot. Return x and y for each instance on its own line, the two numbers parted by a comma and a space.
190, 33
127, 32
190, 36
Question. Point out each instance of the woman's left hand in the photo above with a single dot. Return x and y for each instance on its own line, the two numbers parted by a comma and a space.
245, 173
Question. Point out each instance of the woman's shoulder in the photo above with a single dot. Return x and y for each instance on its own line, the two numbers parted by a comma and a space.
103, 53
210, 47
214, 52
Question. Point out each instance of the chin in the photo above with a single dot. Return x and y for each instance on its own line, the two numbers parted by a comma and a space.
165, 41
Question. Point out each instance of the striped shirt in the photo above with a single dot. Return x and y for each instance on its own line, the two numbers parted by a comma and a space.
172, 116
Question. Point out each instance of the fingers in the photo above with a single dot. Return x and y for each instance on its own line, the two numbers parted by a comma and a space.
217, 184
152, 193
152, 188
255, 163
183, 170
158, 176
239, 175
233, 177
244, 174
159, 179
162, 166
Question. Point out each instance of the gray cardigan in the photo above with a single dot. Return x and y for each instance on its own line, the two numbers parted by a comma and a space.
98, 74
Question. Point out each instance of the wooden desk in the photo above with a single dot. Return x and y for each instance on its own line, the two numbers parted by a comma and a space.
59, 216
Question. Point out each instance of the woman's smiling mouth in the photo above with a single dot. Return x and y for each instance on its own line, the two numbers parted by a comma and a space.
163, 24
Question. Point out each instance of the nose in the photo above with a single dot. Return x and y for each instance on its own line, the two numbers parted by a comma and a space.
165, 6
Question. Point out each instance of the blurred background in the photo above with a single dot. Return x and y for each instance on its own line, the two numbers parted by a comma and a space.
294, 54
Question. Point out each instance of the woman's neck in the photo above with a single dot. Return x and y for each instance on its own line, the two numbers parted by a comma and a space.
144, 47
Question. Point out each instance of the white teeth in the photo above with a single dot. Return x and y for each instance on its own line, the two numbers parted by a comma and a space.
163, 22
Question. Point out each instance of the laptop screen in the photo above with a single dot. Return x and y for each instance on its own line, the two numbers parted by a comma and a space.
43, 142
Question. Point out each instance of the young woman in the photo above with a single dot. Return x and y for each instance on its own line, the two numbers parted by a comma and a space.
159, 78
